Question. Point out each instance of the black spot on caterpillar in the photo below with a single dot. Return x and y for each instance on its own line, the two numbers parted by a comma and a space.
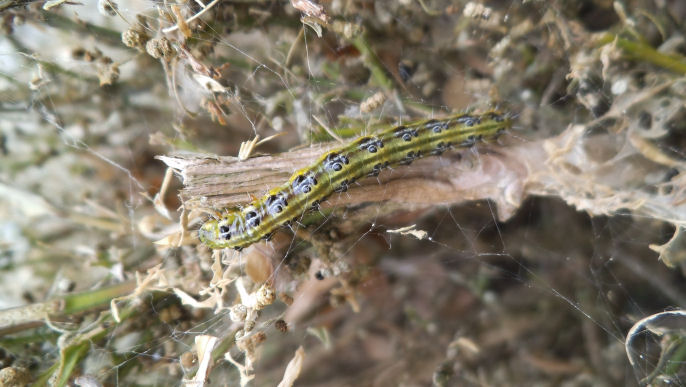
372, 145
336, 170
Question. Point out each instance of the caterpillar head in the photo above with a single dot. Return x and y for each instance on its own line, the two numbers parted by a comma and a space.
221, 233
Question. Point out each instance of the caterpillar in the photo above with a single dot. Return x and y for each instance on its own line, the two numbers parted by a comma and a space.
336, 170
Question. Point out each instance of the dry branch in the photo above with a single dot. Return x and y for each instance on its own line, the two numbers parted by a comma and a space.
505, 174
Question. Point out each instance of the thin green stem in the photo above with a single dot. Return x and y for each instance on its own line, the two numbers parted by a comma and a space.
372, 62
72, 354
643, 52
78, 302
82, 27
28, 316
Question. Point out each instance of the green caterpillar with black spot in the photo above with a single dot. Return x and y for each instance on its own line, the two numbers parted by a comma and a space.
337, 169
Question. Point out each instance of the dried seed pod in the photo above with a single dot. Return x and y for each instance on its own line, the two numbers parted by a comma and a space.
265, 296
238, 313
160, 48
372, 102
135, 38
281, 326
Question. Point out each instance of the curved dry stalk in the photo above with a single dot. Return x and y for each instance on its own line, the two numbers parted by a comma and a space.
504, 174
